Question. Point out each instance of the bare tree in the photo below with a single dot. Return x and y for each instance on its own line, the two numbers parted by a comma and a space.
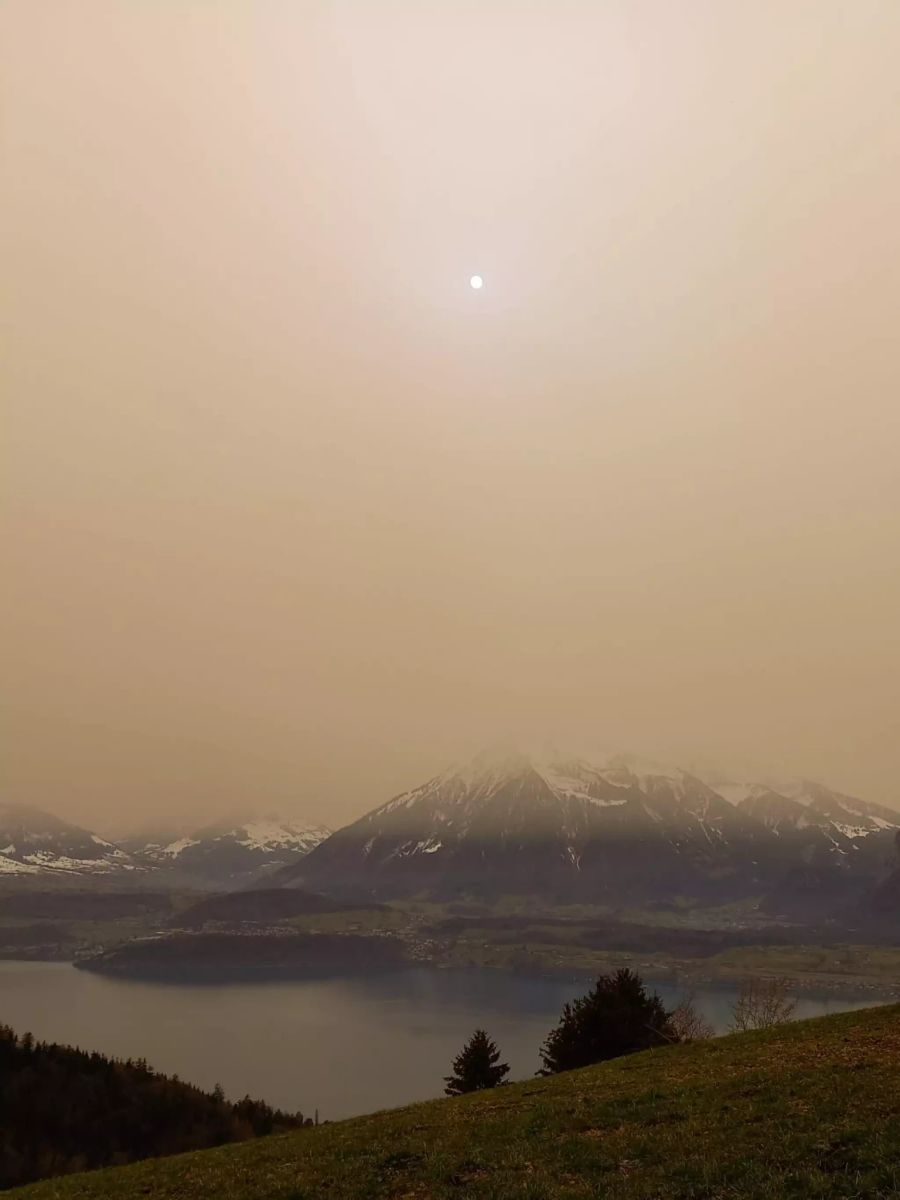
762, 1003
687, 1023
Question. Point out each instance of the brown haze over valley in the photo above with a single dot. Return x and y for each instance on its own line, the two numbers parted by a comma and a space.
295, 517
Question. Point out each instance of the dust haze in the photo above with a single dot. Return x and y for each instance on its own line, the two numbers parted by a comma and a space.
294, 516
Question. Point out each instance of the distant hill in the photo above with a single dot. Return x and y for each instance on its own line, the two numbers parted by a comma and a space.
259, 907
621, 832
804, 1110
63, 1110
75, 904
226, 957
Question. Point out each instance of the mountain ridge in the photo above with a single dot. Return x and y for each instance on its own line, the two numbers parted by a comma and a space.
619, 831
36, 844
234, 854
622, 829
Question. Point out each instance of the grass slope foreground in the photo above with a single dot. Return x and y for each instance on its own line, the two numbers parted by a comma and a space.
805, 1110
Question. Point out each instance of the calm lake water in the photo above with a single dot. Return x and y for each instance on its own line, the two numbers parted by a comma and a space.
344, 1046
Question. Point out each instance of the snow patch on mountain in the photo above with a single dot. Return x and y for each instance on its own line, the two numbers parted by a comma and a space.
576, 787
51, 861
266, 836
276, 835
9, 866
174, 848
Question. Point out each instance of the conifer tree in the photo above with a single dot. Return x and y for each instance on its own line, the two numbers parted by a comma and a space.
476, 1067
616, 1017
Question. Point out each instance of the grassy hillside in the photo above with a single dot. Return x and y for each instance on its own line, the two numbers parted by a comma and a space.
809, 1110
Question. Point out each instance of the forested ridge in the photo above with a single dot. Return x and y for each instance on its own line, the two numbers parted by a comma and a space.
63, 1110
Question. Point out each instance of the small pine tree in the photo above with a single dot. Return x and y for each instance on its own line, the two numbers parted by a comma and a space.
476, 1067
616, 1017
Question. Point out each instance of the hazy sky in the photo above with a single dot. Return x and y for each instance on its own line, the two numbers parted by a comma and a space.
294, 516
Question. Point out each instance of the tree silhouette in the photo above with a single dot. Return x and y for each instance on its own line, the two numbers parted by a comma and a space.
63, 1110
687, 1023
763, 1003
616, 1017
476, 1067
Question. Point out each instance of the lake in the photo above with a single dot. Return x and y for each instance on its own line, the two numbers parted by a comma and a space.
344, 1046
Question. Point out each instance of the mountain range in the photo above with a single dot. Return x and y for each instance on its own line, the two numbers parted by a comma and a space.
231, 854
34, 843
617, 832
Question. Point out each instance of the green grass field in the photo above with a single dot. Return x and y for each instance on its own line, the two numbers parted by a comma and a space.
808, 1110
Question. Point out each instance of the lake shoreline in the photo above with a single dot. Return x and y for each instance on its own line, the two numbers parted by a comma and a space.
807, 985
682, 975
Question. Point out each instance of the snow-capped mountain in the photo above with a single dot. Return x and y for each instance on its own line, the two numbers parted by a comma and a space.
557, 826
800, 804
616, 831
236, 854
33, 842
36, 843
